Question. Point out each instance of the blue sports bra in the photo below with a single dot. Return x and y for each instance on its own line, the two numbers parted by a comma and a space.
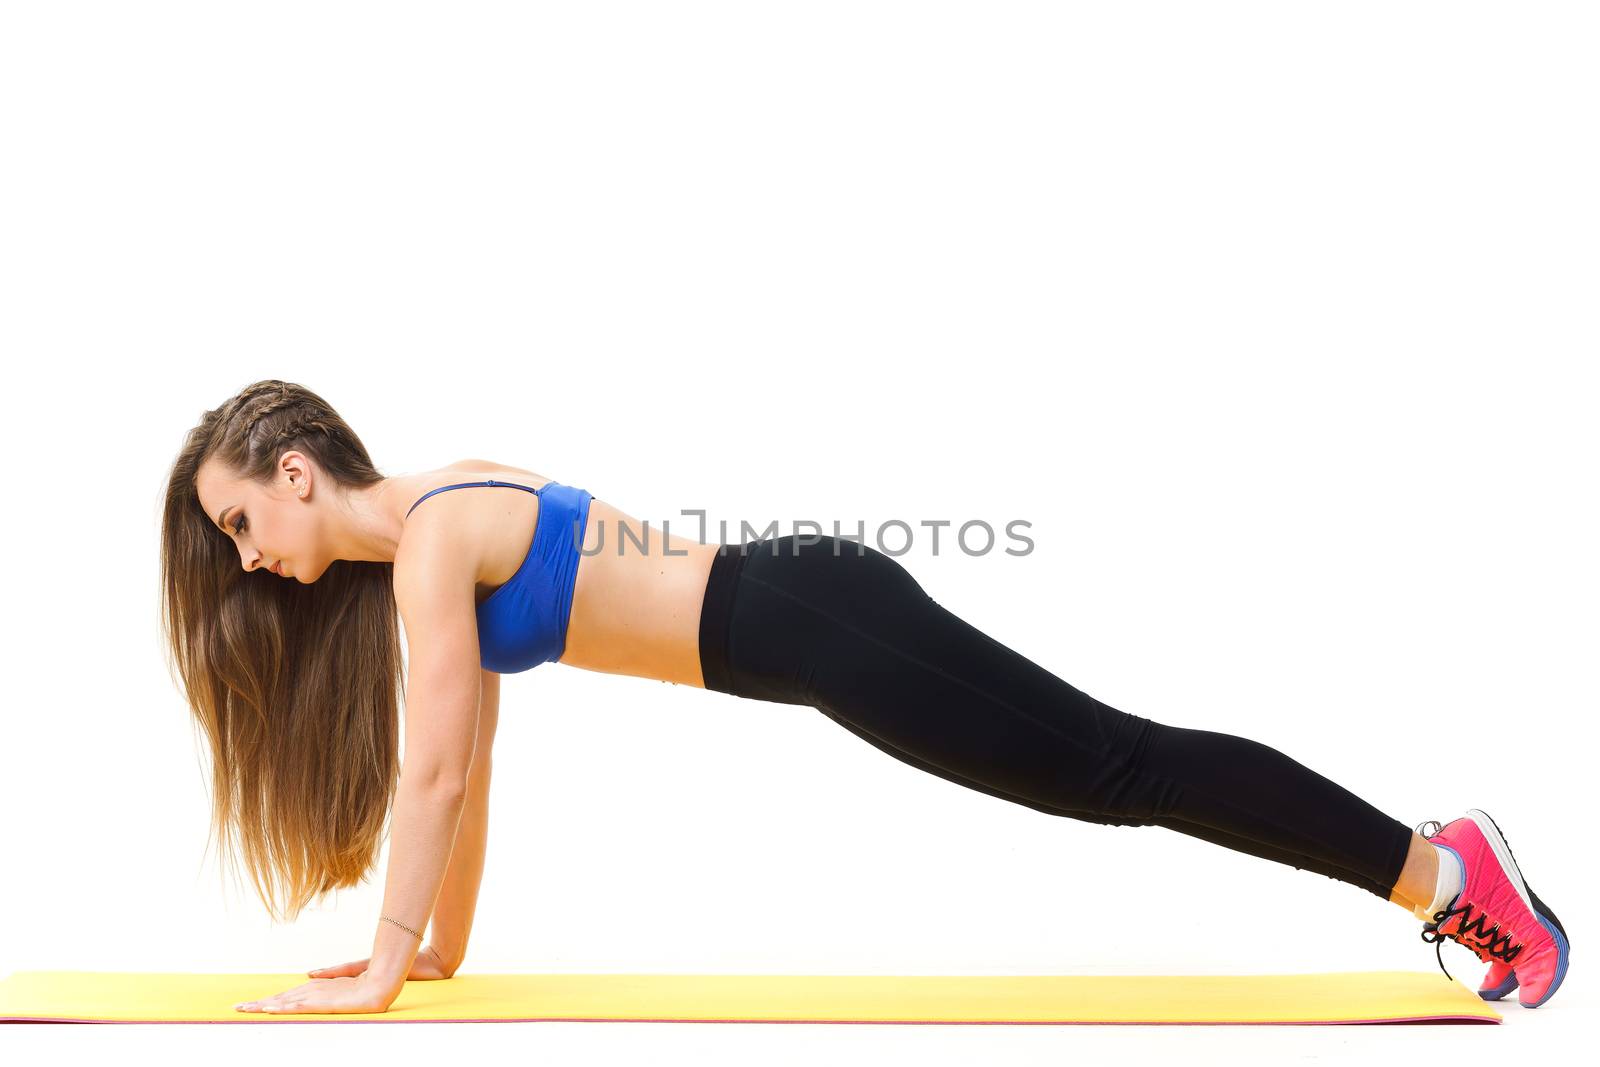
524, 622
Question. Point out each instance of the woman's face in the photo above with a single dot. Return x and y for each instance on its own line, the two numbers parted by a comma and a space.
273, 528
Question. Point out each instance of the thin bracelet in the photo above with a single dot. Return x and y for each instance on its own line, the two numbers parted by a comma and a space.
402, 926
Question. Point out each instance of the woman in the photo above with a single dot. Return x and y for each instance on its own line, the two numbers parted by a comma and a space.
286, 557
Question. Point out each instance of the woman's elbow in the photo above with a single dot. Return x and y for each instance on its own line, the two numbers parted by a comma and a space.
447, 781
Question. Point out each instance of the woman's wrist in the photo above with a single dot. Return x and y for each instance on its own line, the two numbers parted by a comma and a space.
447, 961
393, 951
386, 982
385, 991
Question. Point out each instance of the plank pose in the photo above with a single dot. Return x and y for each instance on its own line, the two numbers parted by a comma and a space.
287, 557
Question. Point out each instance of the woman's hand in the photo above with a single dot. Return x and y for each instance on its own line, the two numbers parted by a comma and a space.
346, 996
427, 967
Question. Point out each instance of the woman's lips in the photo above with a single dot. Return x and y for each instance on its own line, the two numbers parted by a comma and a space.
277, 568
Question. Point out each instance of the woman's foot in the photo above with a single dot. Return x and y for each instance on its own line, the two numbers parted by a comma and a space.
1500, 981
1497, 915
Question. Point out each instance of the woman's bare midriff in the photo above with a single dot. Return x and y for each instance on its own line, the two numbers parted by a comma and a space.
635, 604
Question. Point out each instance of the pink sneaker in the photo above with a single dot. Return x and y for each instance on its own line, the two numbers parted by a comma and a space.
1500, 980
1497, 916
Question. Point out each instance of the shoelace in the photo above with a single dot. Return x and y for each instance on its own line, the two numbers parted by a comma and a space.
1492, 944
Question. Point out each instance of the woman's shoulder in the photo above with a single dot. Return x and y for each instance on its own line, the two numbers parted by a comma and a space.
467, 471
458, 530
490, 468
426, 488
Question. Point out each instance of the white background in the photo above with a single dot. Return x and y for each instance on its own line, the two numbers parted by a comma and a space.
1276, 321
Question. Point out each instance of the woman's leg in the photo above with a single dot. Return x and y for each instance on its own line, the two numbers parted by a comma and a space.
1206, 833
854, 635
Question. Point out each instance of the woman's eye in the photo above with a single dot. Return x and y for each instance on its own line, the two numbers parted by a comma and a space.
238, 526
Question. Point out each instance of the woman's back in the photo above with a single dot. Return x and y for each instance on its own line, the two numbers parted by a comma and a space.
634, 611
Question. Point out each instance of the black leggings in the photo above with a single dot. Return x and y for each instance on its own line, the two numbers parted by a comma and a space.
841, 627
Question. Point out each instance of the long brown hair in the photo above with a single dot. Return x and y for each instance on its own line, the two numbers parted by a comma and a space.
296, 686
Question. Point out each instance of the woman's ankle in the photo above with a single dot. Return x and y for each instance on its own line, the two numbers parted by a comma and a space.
1420, 876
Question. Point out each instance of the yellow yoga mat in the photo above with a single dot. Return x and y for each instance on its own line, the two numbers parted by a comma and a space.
1355, 997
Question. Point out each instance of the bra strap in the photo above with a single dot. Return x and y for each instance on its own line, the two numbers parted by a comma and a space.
469, 485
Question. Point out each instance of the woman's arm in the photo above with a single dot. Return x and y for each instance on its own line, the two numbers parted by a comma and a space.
458, 899
434, 591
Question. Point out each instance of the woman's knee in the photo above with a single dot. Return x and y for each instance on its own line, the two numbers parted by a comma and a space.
1121, 789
